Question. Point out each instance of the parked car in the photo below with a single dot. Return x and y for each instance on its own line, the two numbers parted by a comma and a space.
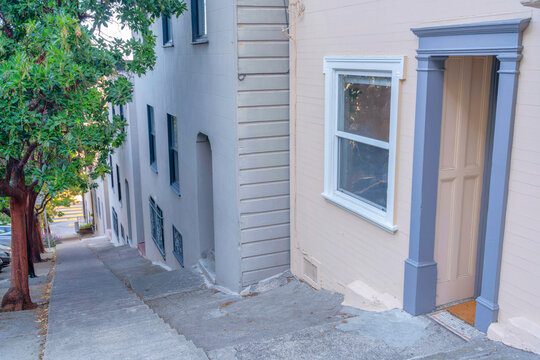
5, 257
5, 243
5, 238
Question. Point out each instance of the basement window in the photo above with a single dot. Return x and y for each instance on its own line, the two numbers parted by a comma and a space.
178, 246
156, 225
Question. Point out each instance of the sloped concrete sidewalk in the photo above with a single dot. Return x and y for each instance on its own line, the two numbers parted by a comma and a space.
284, 318
93, 315
21, 335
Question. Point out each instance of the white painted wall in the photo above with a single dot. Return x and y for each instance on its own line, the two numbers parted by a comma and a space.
101, 217
349, 248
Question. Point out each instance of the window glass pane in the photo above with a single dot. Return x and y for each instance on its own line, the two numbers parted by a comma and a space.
173, 129
174, 169
201, 14
363, 172
365, 106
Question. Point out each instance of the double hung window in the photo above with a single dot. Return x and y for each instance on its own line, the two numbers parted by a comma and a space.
112, 172
361, 110
198, 21
167, 30
151, 136
115, 222
172, 130
118, 183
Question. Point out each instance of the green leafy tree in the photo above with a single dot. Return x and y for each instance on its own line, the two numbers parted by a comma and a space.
58, 72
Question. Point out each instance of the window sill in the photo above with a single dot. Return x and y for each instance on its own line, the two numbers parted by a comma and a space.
175, 189
199, 41
168, 45
154, 168
361, 211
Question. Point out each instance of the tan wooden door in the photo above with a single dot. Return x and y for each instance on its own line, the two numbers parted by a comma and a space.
463, 134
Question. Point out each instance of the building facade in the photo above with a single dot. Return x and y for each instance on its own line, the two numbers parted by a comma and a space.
413, 157
203, 177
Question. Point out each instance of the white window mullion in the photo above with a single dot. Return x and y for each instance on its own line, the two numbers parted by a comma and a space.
363, 139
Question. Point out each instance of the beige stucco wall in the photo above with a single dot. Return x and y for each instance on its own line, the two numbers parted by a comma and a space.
349, 248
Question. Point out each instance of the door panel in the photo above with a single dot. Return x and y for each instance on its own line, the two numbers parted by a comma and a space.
463, 133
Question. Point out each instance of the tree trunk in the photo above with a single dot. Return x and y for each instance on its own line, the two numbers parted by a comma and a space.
30, 233
18, 295
34, 238
39, 238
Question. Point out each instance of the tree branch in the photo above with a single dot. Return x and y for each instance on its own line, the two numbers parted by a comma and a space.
46, 199
6, 27
7, 190
33, 184
27, 155
43, 206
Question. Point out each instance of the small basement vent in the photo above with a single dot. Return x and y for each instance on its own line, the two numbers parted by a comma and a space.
311, 272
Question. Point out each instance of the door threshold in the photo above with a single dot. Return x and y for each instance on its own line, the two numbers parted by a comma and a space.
453, 303
454, 324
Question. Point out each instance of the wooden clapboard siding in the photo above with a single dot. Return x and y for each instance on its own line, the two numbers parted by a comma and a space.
263, 138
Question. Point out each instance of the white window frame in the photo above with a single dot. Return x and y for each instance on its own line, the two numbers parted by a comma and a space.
389, 66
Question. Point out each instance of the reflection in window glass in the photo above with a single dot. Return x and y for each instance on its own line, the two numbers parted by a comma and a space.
198, 20
201, 11
365, 106
363, 172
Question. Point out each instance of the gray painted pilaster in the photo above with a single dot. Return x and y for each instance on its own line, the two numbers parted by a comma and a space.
487, 309
420, 268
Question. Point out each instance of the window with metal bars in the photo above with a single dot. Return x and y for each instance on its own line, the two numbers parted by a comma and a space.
178, 246
156, 226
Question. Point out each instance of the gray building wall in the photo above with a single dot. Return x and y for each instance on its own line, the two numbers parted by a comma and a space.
97, 201
126, 158
263, 138
195, 83
233, 89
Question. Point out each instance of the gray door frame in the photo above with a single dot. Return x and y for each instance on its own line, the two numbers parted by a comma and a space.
503, 40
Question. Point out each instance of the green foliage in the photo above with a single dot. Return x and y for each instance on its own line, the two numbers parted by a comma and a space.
58, 73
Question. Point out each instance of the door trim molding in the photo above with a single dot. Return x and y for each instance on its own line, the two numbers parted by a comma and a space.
502, 39
485, 183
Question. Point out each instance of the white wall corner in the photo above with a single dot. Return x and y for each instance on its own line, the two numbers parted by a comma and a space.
361, 296
518, 332
531, 3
